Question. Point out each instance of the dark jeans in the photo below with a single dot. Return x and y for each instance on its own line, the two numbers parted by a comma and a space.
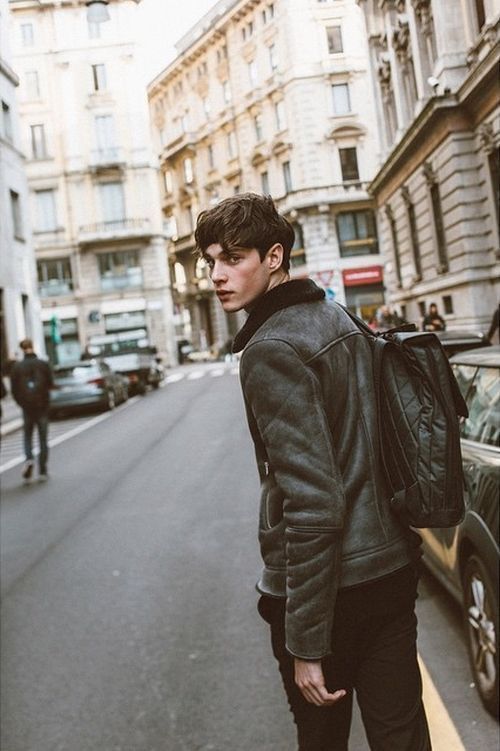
373, 653
40, 419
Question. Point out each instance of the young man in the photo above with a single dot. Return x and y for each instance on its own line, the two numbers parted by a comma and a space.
339, 585
31, 381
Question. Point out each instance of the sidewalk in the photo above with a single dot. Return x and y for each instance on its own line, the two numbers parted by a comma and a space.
12, 418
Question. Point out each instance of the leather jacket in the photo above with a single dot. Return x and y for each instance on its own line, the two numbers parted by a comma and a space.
325, 520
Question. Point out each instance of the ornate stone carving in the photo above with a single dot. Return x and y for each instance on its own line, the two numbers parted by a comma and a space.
423, 13
401, 41
487, 137
384, 76
429, 174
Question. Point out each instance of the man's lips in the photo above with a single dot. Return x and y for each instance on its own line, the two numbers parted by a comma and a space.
223, 293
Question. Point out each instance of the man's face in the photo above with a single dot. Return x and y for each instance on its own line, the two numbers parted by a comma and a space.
239, 275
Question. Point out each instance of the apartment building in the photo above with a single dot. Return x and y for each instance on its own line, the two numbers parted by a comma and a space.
19, 303
98, 234
435, 75
271, 97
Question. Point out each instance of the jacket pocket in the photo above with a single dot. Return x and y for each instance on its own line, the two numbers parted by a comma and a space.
271, 505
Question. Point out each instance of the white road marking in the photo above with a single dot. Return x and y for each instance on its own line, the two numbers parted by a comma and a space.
443, 732
195, 374
68, 434
173, 377
217, 372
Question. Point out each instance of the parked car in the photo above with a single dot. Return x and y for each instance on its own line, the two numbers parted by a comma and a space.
460, 340
86, 384
466, 558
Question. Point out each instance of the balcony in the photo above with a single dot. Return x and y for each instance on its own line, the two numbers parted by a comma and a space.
111, 157
118, 229
55, 287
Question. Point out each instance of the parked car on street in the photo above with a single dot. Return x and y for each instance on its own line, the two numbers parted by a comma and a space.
466, 558
460, 340
86, 384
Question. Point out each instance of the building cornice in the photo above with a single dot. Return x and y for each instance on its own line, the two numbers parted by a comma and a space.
441, 116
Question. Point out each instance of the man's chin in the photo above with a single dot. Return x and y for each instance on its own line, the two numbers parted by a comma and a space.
229, 305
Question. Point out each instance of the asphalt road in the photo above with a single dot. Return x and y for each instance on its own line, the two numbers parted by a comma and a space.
128, 603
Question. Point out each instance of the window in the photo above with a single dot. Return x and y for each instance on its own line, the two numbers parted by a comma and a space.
54, 277
334, 40
349, 164
341, 99
112, 203
264, 181
187, 168
494, 168
32, 84
298, 253
211, 157
257, 124
105, 132
273, 57
448, 305
27, 35
412, 225
6, 122
17, 222
395, 243
46, 210
357, 233
167, 181
483, 401
252, 73
287, 176
231, 144
119, 270
437, 213
226, 92
279, 115
480, 13
99, 81
38, 143
94, 30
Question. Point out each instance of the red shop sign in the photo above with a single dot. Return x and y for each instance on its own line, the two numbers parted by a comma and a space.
362, 275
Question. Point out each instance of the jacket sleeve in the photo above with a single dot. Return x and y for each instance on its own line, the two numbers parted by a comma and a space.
285, 398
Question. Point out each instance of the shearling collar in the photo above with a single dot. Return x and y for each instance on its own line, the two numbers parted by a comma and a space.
289, 293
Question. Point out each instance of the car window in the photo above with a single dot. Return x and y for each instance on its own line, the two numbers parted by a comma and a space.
78, 372
464, 375
483, 401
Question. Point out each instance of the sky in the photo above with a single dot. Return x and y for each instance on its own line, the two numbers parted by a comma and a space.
164, 22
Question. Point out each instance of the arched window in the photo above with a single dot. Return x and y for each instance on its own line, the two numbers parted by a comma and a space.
298, 254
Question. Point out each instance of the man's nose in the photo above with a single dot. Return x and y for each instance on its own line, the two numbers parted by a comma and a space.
218, 272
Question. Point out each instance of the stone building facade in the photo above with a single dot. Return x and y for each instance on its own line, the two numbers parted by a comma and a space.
98, 234
275, 98
435, 77
19, 302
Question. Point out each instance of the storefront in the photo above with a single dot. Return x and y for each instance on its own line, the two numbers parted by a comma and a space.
364, 290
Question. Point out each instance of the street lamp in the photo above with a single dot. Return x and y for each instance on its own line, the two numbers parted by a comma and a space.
97, 11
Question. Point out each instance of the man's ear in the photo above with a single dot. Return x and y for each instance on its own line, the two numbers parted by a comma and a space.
275, 256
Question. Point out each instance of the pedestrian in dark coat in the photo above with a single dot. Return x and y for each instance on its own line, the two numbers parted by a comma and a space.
31, 381
338, 586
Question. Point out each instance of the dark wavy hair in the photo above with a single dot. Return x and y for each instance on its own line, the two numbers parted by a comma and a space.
246, 220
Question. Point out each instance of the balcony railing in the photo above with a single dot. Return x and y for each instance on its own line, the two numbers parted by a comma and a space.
55, 287
114, 230
111, 156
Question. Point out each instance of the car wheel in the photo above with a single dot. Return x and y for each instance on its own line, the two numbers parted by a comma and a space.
111, 400
481, 621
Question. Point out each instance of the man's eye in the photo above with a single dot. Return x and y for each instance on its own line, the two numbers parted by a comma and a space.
234, 259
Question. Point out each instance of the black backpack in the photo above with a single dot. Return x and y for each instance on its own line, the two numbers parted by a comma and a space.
31, 390
419, 404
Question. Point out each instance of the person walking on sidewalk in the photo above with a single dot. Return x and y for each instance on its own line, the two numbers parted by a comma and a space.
31, 381
339, 583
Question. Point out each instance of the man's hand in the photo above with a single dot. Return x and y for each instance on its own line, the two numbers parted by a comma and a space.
311, 682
